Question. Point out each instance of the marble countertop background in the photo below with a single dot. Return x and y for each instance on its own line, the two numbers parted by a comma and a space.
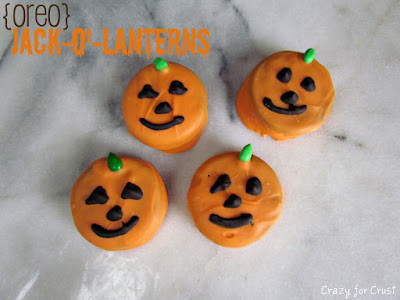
340, 220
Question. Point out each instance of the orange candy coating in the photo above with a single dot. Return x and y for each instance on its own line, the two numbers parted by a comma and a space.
150, 209
264, 208
192, 106
262, 82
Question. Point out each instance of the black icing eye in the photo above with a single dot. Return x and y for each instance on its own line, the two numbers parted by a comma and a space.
132, 191
147, 92
98, 196
222, 183
177, 88
308, 84
253, 186
284, 75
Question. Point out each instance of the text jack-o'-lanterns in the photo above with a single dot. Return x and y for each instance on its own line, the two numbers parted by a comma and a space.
286, 95
235, 198
165, 107
119, 203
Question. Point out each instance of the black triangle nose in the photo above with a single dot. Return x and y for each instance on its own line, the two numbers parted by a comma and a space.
163, 108
115, 213
290, 97
233, 201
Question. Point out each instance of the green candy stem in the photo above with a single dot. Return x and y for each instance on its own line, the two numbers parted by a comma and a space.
246, 153
160, 64
114, 163
309, 55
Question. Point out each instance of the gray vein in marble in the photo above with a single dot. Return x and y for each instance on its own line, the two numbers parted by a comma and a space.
344, 138
226, 69
7, 52
223, 74
152, 16
384, 16
239, 14
341, 137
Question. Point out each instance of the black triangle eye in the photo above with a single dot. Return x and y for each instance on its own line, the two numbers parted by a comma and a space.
253, 186
222, 183
98, 196
284, 75
308, 84
147, 92
132, 191
177, 88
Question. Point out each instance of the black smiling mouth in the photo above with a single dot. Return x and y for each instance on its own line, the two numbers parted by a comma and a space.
126, 227
292, 110
176, 121
243, 220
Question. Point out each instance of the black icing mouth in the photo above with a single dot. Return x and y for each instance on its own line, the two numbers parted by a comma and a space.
243, 220
126, 227
176, 121
292, 110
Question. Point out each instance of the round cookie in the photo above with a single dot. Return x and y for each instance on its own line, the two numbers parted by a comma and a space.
286, 95
235, 198
119, 203
165, 107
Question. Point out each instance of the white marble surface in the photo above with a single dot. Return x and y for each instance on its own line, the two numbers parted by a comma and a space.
340, 221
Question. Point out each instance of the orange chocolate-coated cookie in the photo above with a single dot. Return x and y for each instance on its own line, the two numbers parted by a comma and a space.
119, 203
286, 95
235, 198
165, 107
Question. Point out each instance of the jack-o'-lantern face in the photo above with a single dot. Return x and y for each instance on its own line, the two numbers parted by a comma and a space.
288, 94
165, 107
118, 203
234, 199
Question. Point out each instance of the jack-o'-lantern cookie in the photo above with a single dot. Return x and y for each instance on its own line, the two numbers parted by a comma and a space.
165, 107
286, 95
119, 203
235, 198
